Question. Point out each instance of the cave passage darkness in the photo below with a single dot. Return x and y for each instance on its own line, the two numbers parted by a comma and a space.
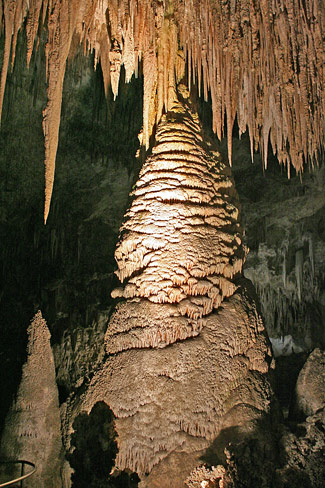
112, 102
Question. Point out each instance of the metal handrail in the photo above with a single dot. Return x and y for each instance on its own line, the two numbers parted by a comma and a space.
22, 476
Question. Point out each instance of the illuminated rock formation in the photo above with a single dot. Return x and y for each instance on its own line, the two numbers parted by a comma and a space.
179, 372
181, 242
33, 428
261, 62
206, 478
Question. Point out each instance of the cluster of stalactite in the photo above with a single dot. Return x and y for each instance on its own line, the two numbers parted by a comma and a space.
261, 61
181, 243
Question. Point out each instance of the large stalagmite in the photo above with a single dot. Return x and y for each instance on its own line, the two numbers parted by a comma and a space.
33, 428
181, 242
185, 363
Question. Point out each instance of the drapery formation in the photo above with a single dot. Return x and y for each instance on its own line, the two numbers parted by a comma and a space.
260, 61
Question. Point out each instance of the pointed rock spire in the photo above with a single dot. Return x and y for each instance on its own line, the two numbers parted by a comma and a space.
32, 428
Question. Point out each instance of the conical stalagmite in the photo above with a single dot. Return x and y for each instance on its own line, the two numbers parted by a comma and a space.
181, 242
33, 428
188, 353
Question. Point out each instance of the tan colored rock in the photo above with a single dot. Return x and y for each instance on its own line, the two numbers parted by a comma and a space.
310, 387
201, 477
181, 241
262, 62
188, 354
173, 403
32, 430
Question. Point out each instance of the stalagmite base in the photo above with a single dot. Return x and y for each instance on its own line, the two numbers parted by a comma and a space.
188, 356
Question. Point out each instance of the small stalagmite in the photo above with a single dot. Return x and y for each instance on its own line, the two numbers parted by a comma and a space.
188, 356
32, 430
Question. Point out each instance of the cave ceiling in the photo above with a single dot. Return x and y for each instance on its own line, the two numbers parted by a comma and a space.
261, 62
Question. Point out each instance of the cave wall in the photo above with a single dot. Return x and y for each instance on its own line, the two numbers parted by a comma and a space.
284, 227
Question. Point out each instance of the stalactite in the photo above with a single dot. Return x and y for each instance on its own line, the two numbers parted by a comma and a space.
61, 25
9, 14
262, 62
299, 262
32, 25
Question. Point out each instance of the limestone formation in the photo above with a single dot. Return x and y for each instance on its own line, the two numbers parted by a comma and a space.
310, 387
188, 355
201, 477
181, 244
303, 451
294, 456
174, 403
261, 61
188, 359
32, 429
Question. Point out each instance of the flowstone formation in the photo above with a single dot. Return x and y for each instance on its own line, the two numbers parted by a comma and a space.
32, 429
188, 356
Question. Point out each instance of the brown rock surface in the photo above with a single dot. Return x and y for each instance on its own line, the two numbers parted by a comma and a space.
303, 450
310, 387
188, 354
261, 62
173, 403
32, 429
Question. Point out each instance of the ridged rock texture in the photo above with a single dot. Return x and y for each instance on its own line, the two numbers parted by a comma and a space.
261, 61
32, 429
186, 362
181, 243
310, 387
